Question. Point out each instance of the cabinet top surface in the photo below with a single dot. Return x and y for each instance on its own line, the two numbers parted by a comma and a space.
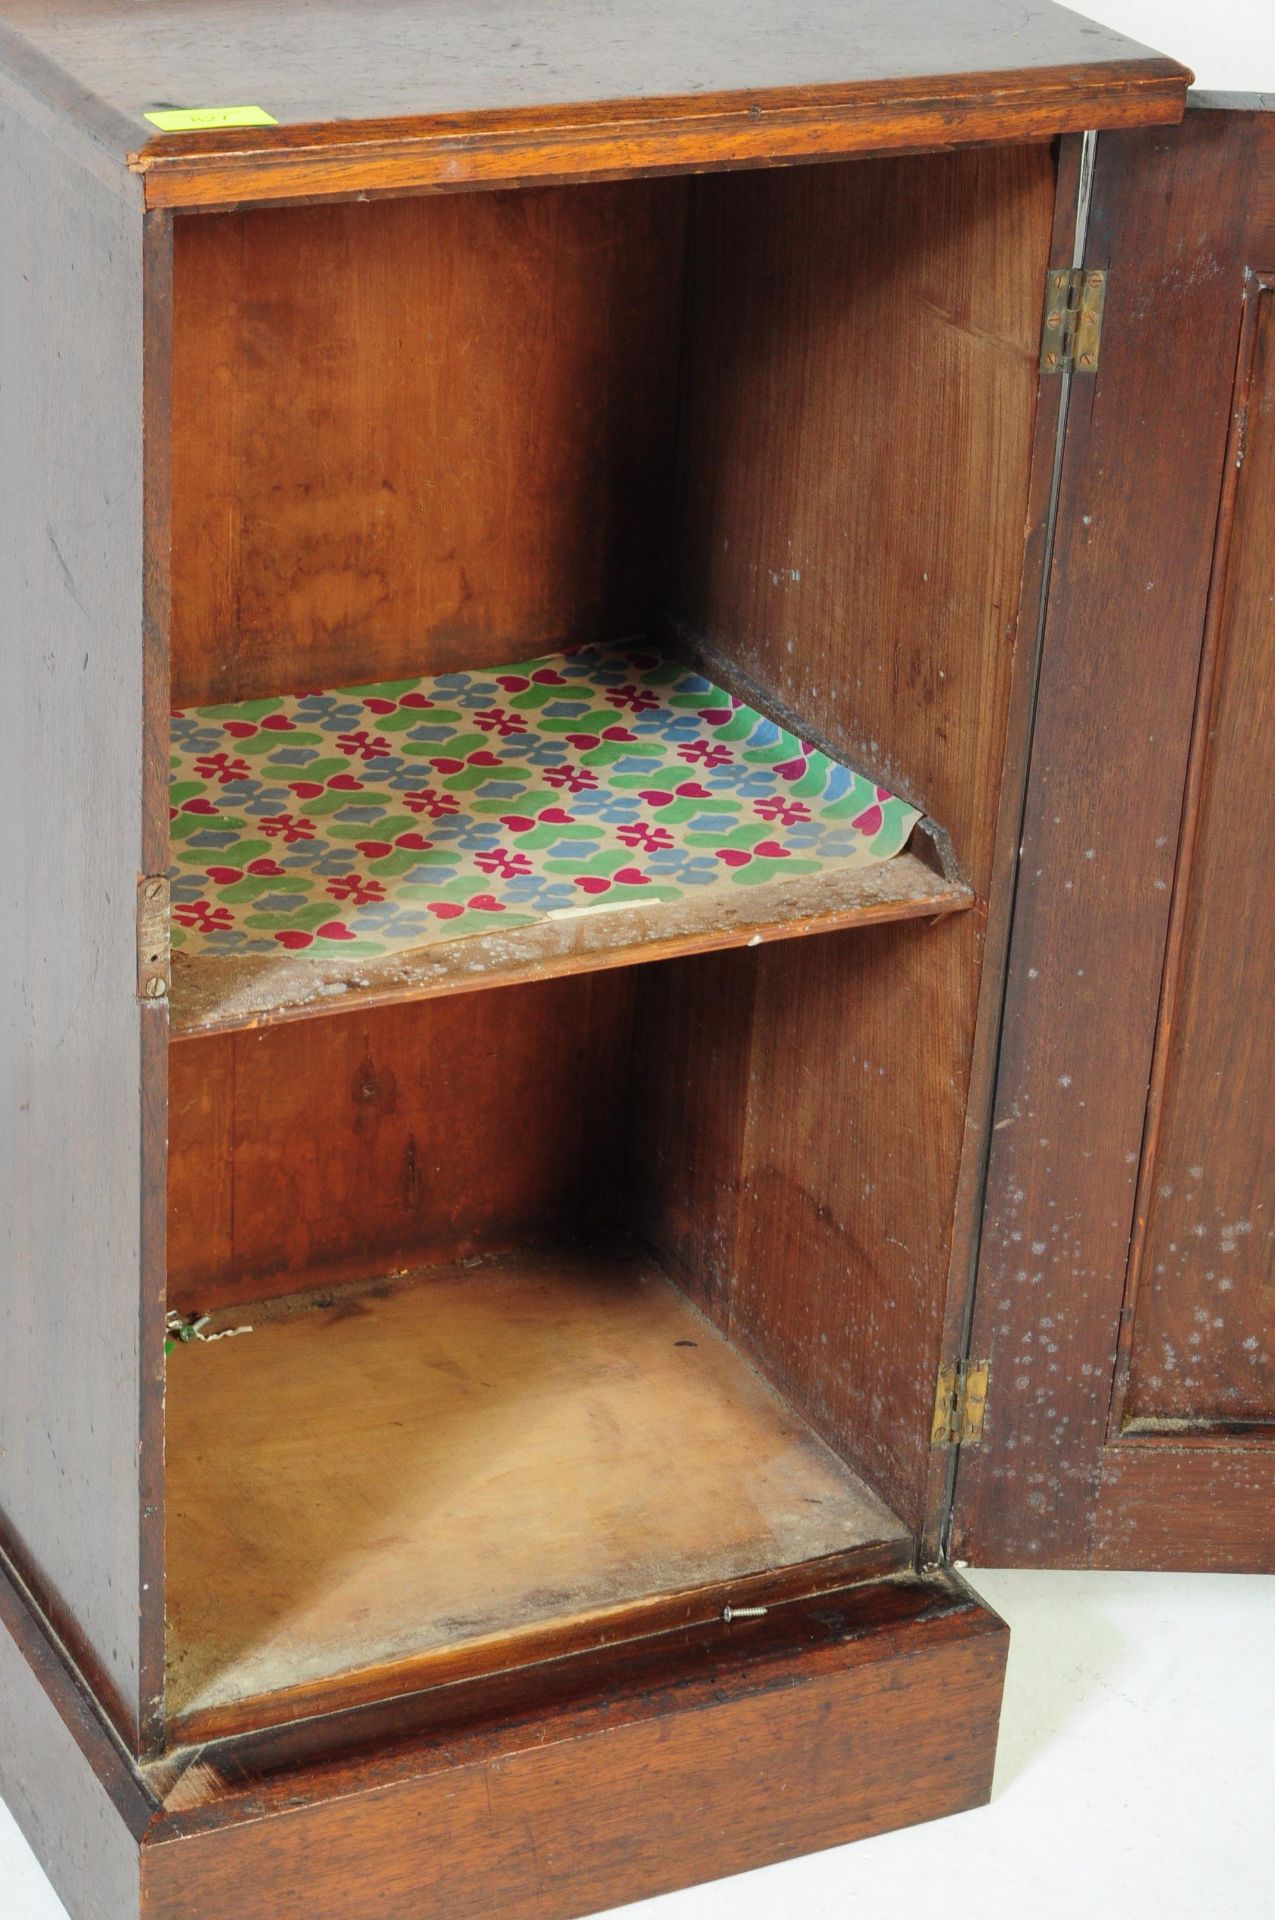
380, 69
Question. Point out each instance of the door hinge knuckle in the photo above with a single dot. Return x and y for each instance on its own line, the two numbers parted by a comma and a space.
959, 1401
1071, 336
154, 964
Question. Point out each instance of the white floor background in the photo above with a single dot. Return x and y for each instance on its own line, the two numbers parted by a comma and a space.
1136, 1777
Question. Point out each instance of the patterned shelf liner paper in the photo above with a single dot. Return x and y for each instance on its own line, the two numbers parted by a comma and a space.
378, 819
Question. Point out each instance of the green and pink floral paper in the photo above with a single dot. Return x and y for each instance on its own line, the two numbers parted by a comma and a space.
378, 819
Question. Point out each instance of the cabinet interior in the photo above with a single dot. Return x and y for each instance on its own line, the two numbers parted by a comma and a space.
583, 1306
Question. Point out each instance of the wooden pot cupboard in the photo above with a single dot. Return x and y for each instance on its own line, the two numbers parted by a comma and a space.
636, 758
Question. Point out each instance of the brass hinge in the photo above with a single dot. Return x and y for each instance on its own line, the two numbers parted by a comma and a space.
959, 1403
1072, 334
153, 958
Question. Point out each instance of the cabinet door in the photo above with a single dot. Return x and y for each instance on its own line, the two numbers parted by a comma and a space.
1126, 1282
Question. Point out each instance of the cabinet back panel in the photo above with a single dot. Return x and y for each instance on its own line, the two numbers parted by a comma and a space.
419, 435
342, 1149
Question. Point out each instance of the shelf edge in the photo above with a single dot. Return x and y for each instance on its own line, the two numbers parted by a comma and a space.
223, 995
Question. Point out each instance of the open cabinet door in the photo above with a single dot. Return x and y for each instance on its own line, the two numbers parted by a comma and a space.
1125, 1291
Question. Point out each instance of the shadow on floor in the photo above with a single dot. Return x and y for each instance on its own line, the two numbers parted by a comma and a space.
1065, 1653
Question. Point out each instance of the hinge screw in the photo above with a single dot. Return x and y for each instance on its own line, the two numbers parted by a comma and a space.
154, 988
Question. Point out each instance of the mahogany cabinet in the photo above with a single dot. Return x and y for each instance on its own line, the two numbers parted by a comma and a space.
553, 560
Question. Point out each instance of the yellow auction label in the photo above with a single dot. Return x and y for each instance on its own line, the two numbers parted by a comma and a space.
197, 119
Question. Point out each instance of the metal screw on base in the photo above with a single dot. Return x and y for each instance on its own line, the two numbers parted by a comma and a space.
744, 1613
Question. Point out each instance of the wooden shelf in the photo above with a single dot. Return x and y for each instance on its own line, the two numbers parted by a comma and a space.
475, 1467
212, 995
590, 809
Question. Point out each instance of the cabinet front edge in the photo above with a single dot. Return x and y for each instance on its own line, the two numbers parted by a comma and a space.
510, 148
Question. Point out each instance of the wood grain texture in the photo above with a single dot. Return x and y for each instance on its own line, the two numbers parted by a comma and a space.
877, 1706
420, 436
1002, 881
395, 97
1178, 219
1168, 1507
854, 331
307, 1155
382, 1742
842, 1719
388, 1695
77, 1800
212, 994
622, 138
1201, 1307
469, 1456
865, 326
799, 1177
71, 720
